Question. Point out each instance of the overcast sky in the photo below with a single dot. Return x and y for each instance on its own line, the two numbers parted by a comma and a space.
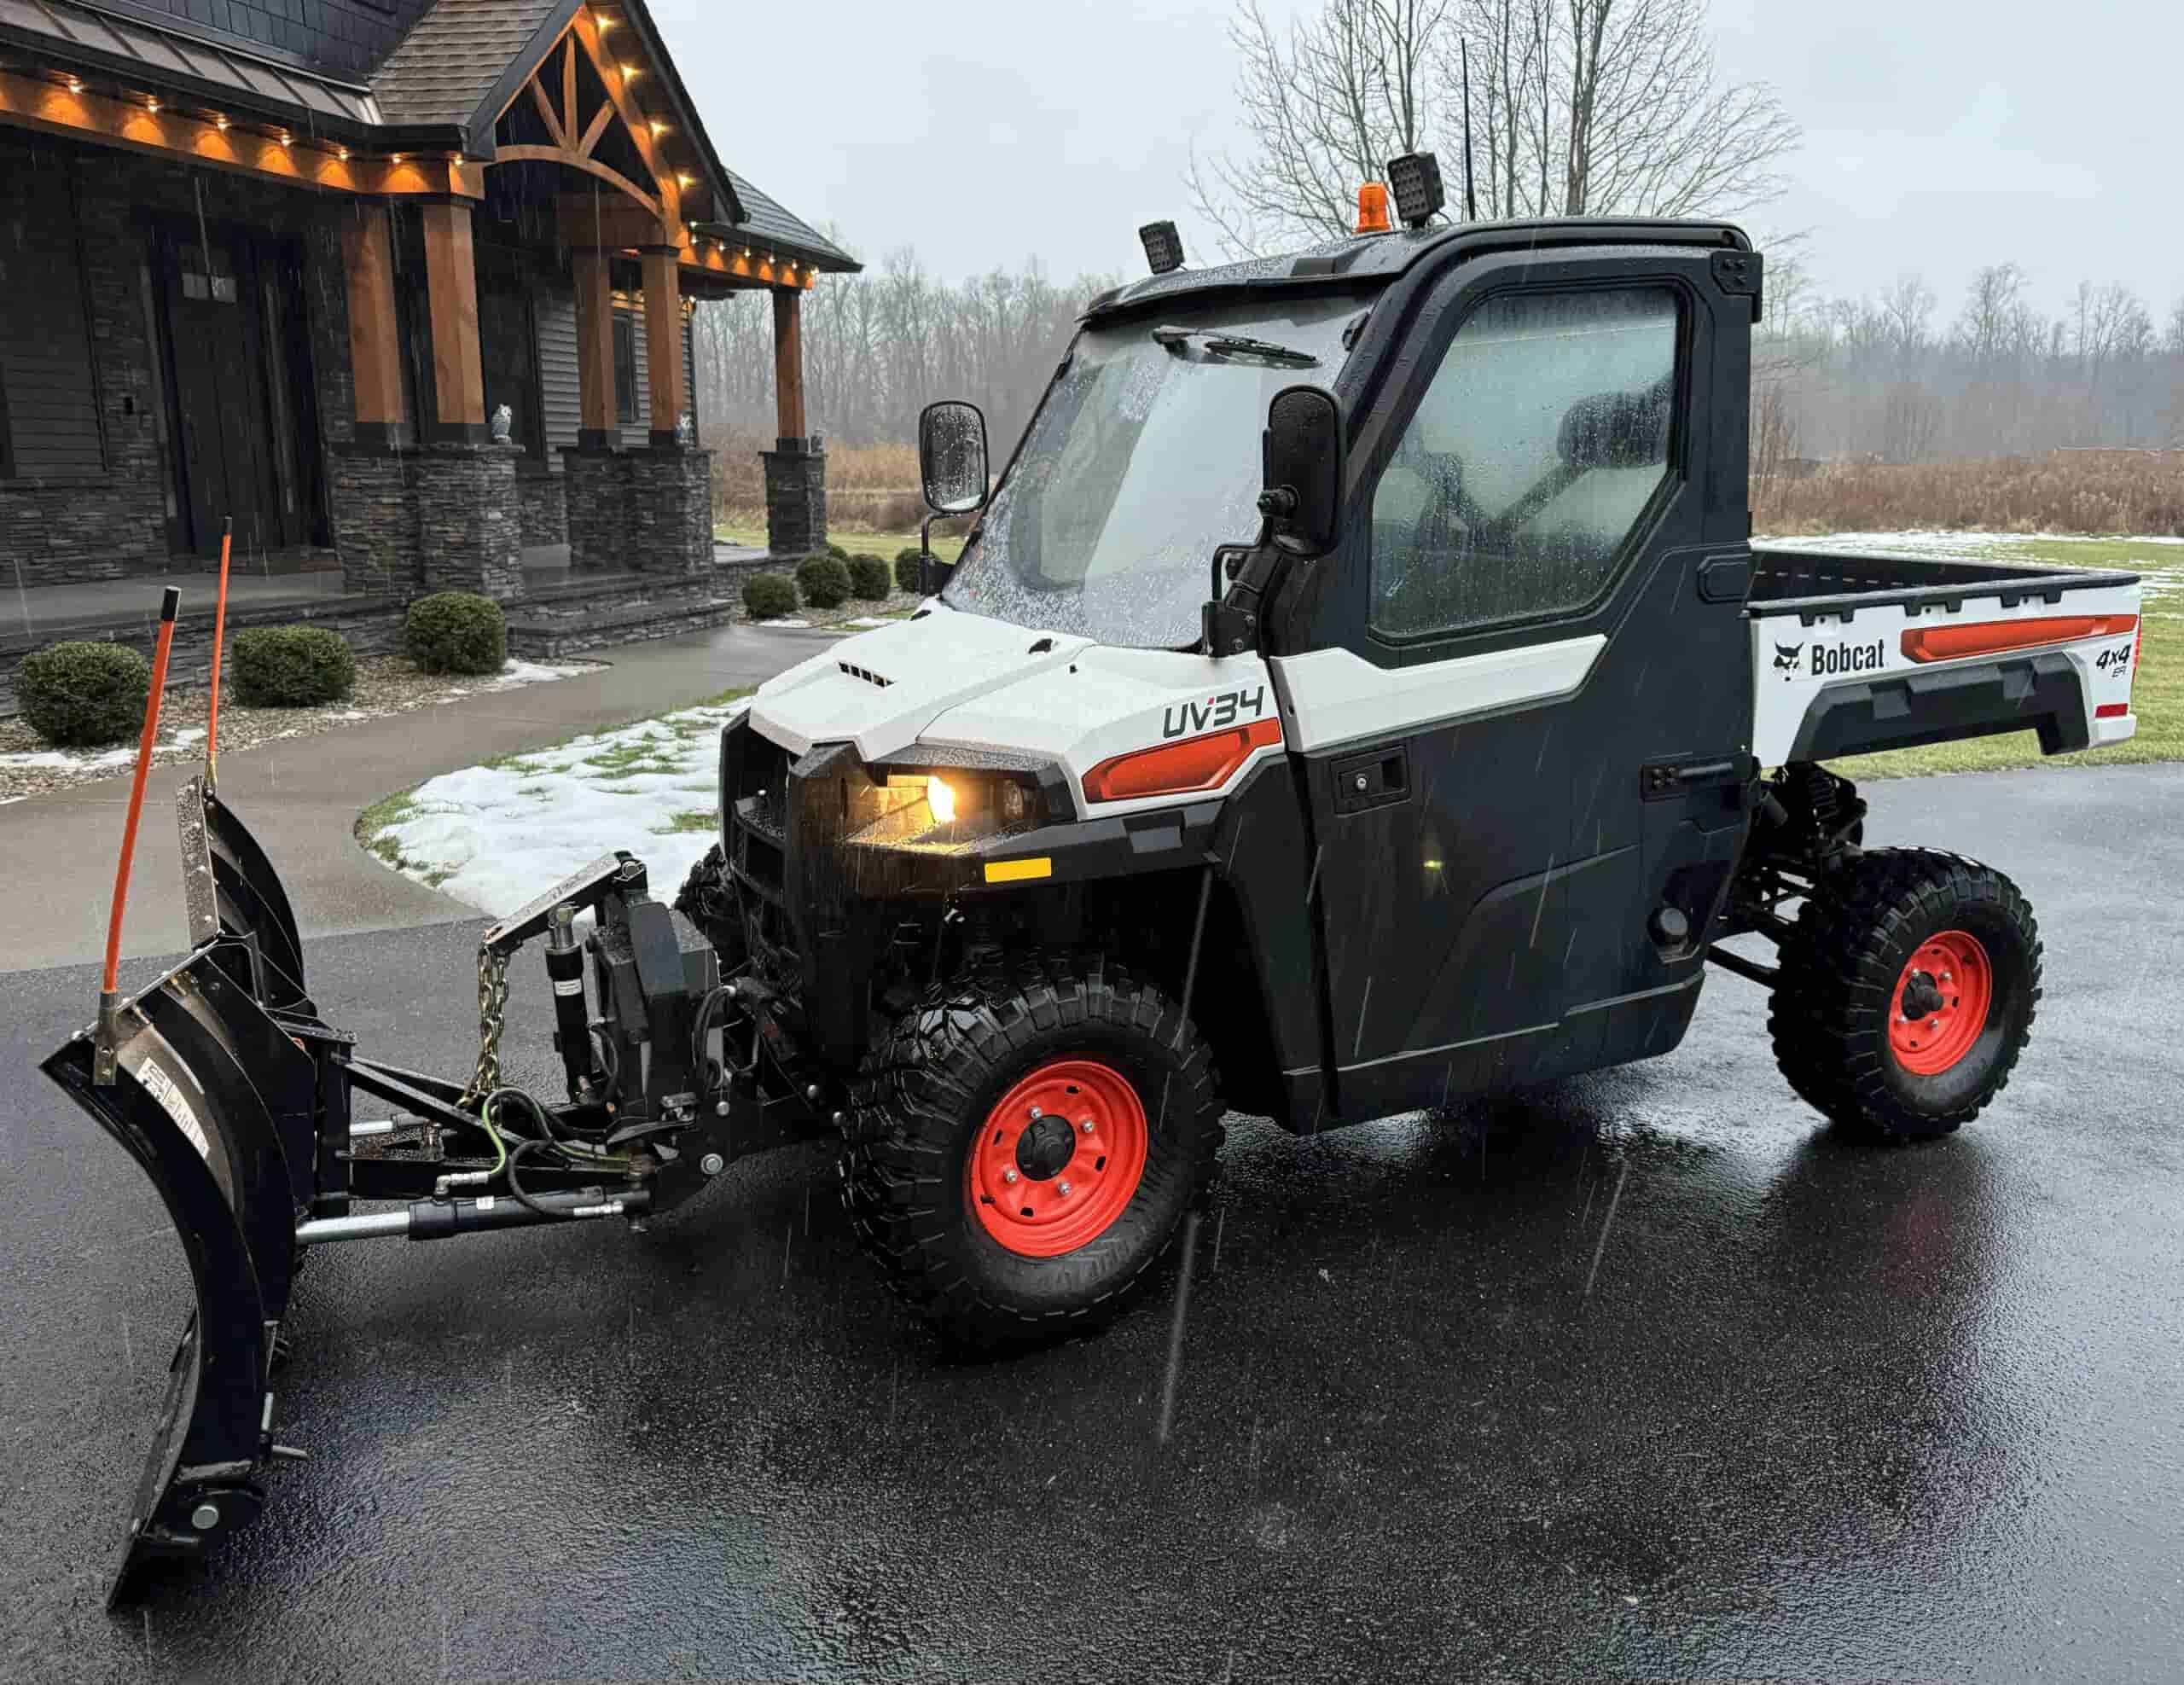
1939, 134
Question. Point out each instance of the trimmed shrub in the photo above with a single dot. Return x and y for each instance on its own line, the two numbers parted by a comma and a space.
768, 596
838, 552
292, 666
908, 553
909, 567
824, 580
80, 693
869, 578
455, 632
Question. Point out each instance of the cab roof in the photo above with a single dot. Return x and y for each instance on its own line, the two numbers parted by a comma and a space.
1372, 260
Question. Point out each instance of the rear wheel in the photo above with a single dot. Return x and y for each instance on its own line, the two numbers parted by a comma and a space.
1025, 1144
1908, 990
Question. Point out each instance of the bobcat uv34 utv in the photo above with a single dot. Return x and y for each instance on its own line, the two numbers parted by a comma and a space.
1358, 691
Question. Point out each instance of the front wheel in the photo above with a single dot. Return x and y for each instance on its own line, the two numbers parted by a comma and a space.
1907, 992
1025, 1144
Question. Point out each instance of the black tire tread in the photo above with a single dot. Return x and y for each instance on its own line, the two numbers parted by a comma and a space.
1829, 1011
906, 1120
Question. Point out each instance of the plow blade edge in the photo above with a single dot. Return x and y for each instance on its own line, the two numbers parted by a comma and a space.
216, 1095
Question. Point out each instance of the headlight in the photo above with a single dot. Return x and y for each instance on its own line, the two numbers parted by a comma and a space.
941, 799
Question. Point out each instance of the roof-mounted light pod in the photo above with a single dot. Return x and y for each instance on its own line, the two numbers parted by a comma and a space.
1417, 179
1164, 247
1373, 209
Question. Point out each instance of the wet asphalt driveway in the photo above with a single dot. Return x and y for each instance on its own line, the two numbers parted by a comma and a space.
1826, 1413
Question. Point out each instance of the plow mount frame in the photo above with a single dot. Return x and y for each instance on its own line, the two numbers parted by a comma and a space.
223, 1083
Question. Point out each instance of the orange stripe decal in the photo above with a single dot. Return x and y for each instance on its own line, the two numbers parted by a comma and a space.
1989, 637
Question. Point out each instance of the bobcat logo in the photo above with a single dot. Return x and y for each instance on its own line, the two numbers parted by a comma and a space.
1786, 659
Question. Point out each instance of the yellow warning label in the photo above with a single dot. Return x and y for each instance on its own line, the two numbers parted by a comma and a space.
1016, 871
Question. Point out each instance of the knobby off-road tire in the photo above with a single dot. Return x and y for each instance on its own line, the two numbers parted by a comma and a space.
950, 1177
708, 901
1907, 992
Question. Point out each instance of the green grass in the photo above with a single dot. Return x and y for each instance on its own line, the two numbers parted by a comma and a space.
690, 819
885, 545
373, 824
2156, 694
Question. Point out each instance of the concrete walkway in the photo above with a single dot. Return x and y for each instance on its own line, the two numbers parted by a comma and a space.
301, 798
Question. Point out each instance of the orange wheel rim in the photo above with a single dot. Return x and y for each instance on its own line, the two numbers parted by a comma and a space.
1057, 1158
1940, 1006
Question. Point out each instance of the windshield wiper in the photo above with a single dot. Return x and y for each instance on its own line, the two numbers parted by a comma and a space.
1218, 344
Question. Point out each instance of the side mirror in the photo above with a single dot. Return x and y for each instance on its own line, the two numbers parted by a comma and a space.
1301, 459
952, 457
952, 473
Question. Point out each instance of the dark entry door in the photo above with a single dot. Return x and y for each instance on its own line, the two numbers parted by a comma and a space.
1526, 639
245, 424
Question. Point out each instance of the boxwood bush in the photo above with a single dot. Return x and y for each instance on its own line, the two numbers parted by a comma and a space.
824, 580
292, 666
768, 596
907, 566
869, 578
455, 632
838, 552
80, 693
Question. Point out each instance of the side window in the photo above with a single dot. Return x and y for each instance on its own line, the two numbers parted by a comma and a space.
626, 368
1537, 449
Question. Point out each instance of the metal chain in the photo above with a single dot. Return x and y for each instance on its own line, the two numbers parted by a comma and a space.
492, 1004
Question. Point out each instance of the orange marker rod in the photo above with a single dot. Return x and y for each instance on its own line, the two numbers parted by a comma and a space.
219, 629
109, 1025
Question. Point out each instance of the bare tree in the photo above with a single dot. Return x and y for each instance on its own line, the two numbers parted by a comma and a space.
1576, 107
1326, 106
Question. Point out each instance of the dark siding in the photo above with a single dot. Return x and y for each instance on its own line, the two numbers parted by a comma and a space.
636, 435
45, 352
348, 38
555, 308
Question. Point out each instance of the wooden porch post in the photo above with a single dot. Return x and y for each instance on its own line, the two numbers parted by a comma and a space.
788, 367
664, 375
374, 355
451, 277
594, 349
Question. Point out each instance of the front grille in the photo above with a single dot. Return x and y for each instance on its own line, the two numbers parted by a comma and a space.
754, 810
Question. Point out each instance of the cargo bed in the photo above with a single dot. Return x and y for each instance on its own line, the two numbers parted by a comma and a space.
1855, 654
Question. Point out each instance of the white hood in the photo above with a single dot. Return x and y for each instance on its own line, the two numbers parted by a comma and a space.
880, 689
964, 681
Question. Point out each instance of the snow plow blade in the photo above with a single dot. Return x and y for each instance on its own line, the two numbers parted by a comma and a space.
213, 1092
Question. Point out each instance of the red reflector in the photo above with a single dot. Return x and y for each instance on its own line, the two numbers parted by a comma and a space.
2111, 711
1951, 643
1195, 763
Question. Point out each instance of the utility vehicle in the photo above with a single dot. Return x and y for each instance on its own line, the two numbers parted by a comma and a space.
1359, 691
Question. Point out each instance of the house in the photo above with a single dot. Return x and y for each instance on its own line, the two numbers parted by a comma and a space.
399, 285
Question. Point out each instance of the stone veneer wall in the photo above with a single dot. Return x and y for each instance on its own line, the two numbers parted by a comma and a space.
796, 499
469, 537
542, 508
670, 510
375, 518
114, 525
596, 485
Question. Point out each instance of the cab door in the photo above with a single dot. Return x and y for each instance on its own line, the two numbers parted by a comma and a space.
1523, 717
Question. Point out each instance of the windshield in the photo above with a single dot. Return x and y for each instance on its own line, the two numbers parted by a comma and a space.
1142, 459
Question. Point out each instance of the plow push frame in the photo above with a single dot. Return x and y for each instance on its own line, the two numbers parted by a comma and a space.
238, 1101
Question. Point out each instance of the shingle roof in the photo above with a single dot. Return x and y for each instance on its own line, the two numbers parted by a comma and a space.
455, 56
765, 220
91, 40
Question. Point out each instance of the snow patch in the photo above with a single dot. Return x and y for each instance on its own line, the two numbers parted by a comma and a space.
82, 759
493, 835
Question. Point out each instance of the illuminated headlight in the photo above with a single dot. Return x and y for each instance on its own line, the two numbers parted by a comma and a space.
959, 806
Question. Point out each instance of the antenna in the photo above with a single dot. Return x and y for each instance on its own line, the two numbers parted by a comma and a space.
1471, 193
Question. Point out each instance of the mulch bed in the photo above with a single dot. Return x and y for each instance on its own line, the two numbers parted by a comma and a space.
385, 685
